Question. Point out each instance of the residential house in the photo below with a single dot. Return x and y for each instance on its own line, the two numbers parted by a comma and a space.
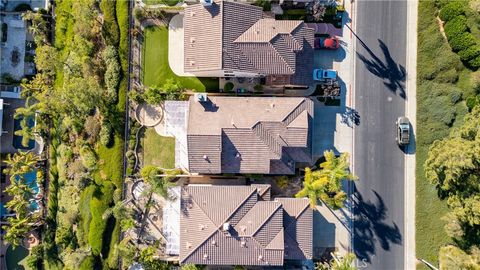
233, 39
248, 135
239, 225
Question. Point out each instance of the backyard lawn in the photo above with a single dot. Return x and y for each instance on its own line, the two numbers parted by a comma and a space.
158, 150
156, 69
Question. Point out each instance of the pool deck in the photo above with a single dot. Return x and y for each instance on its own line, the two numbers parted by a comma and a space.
6, 139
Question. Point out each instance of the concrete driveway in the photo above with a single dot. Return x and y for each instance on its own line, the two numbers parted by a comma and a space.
175, 45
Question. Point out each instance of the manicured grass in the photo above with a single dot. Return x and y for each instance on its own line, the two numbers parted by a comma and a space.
158, 150
439, 74
156, 69
156, 2
110, 162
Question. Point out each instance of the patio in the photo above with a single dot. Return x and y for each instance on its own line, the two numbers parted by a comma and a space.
13, 49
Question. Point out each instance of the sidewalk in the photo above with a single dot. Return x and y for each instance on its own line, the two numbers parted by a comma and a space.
410, 112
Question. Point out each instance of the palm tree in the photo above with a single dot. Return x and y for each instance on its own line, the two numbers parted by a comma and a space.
26, 132
326, 183
20, 163
17, 229
21, 194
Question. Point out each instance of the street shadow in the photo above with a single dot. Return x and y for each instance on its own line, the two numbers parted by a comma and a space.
370, 227
393, 74
350, 117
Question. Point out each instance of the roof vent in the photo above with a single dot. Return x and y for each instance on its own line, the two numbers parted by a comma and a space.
205, 157
188, 245
260, 257
243, 243
226, 226
205, 256
243, 229
272, 105
257, 31
192, 13
192, 63
214, 243
237, 155
202, 227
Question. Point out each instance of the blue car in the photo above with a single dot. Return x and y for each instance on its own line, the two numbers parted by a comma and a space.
324, 75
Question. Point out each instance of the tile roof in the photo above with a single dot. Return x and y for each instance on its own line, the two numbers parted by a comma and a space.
249, 135
257, 229
235, 37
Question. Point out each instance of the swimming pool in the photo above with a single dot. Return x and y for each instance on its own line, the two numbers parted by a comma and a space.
31, 180
17, 140
14, 257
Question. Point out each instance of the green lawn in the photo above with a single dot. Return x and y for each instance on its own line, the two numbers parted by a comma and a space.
158, 150
156, 69
166, 2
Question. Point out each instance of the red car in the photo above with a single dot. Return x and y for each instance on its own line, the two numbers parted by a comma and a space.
328, 43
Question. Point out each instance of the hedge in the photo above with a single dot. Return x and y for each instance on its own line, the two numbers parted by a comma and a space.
110, 27
452, 10
462, 41
456, 26
469, 53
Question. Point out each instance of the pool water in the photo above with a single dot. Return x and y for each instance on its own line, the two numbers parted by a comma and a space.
31, 180
14, 257
17, 140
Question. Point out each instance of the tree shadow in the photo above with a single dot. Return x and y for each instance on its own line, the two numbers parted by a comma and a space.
393, 74
370, 227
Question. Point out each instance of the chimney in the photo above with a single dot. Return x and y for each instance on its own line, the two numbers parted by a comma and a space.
226, 226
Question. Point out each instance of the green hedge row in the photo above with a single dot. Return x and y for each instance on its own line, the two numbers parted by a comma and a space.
110, 27
458, 34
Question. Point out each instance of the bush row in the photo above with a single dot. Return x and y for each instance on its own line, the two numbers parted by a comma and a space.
459, 37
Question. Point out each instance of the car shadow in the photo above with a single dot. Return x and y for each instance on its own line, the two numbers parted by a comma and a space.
371, 227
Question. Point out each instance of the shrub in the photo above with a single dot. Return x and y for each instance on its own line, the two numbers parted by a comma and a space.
110, 27
469, 53
265, 4
106, 133
112, 72
35, 258
462, 41
474, 63
258, 87
452, 10
228, 87
456, 26
92, 127
88, 263
472, 102
448, 76
88, 157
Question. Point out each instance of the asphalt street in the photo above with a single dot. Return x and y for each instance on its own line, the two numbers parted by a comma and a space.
378, 160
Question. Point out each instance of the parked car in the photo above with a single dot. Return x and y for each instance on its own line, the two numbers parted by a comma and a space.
328, 43
403, 131
325, 75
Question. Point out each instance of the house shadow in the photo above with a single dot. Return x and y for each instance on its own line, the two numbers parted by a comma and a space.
324, 235
371, 227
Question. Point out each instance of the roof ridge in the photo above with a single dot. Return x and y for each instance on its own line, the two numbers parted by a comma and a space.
265, 136
294, 239
208, 236
269, 217
279, 54
301, 106
240, 204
